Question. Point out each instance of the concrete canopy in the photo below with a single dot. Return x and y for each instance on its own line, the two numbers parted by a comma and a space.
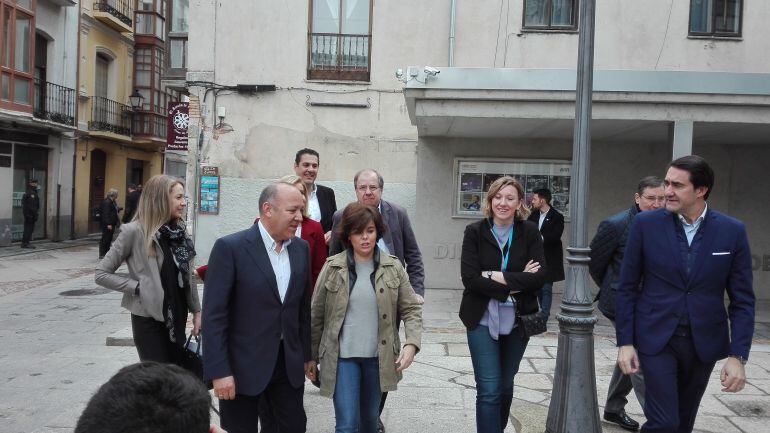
628, 105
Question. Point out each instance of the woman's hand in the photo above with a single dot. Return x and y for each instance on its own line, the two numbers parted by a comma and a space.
532, 267
196, 324
406, 357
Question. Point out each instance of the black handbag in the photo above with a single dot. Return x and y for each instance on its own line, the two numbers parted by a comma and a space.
191, 359
533, 324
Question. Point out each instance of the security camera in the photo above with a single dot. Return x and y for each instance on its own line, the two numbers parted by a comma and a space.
399, 73
430, 70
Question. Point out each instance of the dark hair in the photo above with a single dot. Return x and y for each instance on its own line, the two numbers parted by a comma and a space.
305, 151
701, 173
33, 181
132, 186
544, 193
148, 397
380, 180
648, 182
355, 218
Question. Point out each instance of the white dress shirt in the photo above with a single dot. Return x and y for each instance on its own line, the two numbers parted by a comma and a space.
313, 208
279, 261
691, 229
542, 218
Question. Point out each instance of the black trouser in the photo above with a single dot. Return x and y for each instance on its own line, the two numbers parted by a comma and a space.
29, 227
241, 414
152, 341
106, 241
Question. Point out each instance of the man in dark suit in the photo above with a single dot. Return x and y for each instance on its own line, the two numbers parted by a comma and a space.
109, 220
398, 239
132, 203
30, 207
256, 307
607, 249
670, 315
551, 225
322, 203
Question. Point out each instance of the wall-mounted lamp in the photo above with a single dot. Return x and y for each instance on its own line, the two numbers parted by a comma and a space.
136, 99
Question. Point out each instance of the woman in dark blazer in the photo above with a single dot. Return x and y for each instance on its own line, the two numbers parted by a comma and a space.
501, 273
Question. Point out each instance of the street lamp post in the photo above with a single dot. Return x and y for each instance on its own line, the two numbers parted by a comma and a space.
574, 406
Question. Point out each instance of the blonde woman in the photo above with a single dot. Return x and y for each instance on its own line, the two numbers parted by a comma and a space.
157, 290
501, 271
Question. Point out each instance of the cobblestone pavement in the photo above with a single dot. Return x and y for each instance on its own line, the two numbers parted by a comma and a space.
54, 323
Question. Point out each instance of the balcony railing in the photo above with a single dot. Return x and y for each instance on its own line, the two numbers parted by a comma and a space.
120, 9
336, 56
150, 124
110, 116
54, 102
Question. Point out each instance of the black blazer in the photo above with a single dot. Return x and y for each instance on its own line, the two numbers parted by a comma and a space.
328, 205
109, 211
553, 227
481, 253
244, 317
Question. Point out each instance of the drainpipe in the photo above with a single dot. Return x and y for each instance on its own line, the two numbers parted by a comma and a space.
452, 23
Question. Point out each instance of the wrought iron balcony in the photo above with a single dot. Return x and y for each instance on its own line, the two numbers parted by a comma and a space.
120, 9
110, 116
337, 56
54, 102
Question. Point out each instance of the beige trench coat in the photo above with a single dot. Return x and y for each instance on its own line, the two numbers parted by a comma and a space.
330, 302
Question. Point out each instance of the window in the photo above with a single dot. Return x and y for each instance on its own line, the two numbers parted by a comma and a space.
151, 18
17, 44
178, 53
716, 17
179, 16
550, 14
102, 77
340, 40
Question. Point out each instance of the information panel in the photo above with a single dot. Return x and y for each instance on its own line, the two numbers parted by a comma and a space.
473, 177
209, 191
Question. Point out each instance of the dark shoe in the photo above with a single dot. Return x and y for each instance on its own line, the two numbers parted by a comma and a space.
28, 246
380, 426
622, 419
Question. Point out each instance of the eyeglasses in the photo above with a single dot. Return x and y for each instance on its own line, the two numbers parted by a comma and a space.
364, 188
655, 198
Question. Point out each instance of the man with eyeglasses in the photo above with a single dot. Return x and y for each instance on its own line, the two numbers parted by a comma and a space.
607, 249
398, 239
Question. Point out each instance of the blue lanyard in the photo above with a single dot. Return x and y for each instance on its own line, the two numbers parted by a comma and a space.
504, 263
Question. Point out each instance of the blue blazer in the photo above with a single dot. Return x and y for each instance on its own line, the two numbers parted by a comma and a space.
647, 314
243, 317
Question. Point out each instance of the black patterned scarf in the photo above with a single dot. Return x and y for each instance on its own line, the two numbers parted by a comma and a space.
175, 276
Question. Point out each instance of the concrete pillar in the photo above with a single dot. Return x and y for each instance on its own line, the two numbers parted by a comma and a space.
680, 135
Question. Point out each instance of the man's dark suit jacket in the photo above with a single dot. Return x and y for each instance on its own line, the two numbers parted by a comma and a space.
244, 318
109, 210
607, 248
328, 204
132, 204
553, 227
399, 238
648, 314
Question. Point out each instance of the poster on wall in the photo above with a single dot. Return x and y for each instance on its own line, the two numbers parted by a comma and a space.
209, 191
177, 121
473, 178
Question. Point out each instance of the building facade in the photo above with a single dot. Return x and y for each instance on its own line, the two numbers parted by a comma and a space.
38, 72
350, 78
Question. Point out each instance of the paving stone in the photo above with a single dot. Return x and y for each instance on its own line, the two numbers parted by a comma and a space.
747, 405
534, 381
458, 349
752, 424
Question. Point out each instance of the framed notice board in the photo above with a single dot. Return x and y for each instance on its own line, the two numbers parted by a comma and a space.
473, 177
209, 191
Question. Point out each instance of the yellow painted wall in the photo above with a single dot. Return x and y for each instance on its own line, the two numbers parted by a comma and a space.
93, 38
115, 174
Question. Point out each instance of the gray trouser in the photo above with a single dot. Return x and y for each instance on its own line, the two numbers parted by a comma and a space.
620, 386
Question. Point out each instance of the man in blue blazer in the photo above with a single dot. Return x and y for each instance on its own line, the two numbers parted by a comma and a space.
256, 310
670, 316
